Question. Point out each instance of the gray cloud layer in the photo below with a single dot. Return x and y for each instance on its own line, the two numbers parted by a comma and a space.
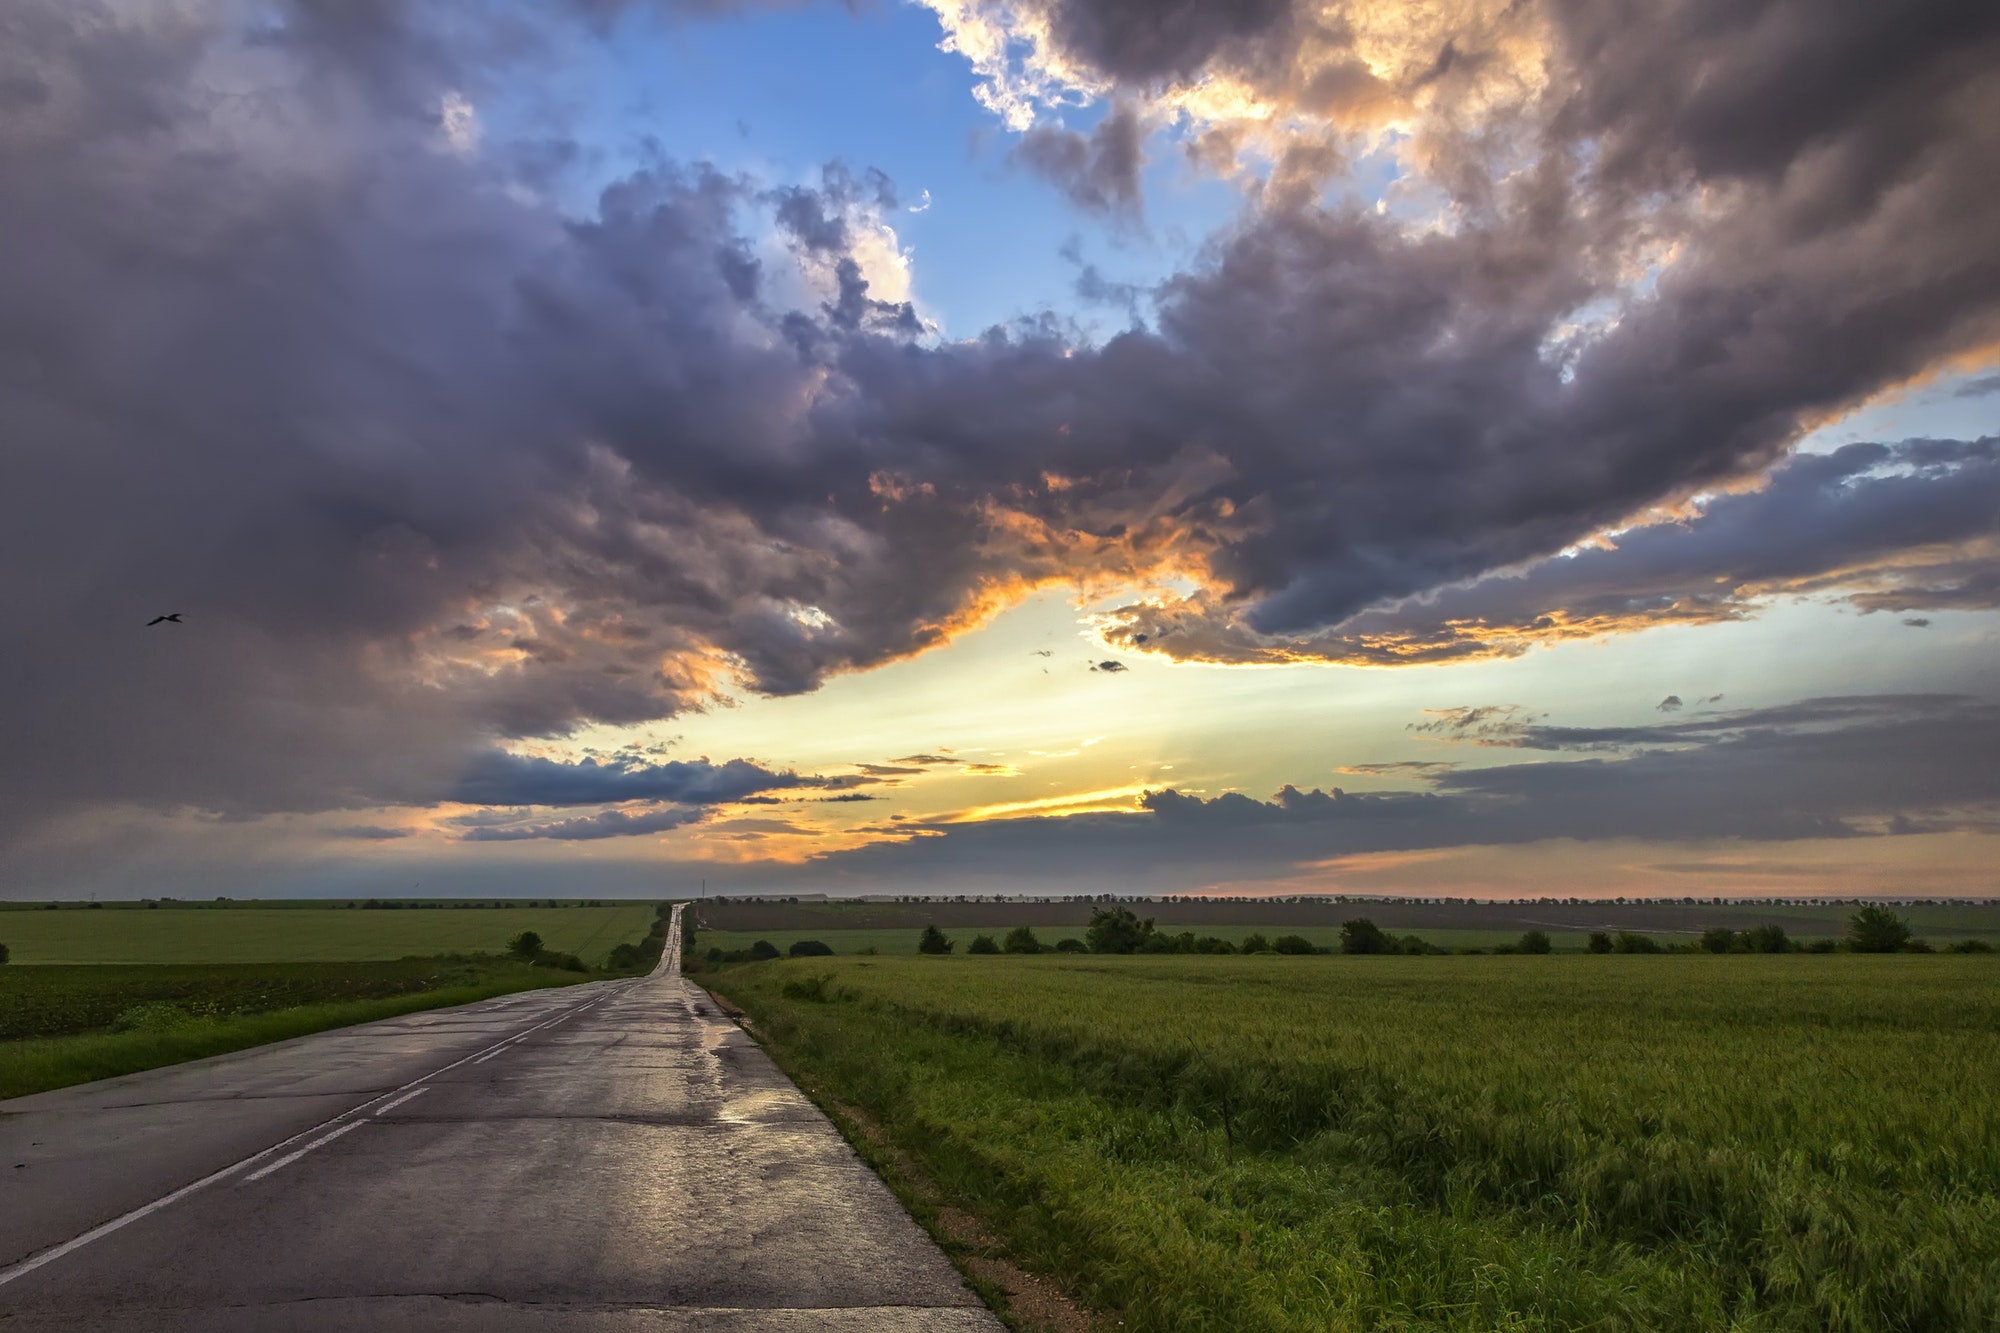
499, 778
1823, 768
427, 462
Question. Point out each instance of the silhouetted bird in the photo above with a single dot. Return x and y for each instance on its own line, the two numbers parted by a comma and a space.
175, 618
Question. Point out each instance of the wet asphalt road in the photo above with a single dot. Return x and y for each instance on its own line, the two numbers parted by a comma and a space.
614, 1156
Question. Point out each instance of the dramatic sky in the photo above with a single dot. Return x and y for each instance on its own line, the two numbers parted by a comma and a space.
1055, 446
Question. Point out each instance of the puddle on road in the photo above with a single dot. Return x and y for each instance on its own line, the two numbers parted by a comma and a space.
756, 1107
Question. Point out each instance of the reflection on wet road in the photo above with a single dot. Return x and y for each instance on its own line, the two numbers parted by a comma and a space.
611, 1156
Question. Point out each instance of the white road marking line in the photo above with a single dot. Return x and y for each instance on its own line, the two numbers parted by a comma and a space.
415, 1092
32, 1262
294, 1155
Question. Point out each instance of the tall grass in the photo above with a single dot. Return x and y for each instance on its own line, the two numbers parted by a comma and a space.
1550, 1142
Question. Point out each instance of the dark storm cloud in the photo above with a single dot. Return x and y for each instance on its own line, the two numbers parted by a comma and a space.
1409, 411
499, 778
424, 461
1142, 43
1098, 172
431, 464
1824, 768
1898, 527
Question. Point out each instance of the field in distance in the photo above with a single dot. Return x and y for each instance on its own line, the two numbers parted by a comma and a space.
905, 941
1799, 1142
318, 932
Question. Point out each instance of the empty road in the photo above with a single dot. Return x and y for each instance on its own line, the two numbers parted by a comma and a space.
614, 1156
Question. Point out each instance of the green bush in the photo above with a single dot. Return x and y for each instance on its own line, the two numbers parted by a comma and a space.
1766, 938
1116, 930
982, 944
1823, 946
1963, 946
568, 962
1876, 929
1363, 936
818, 990
763, 951
1536, 941
1631, 942
1021, 939
934, 941
1718, 939
1599, 942
810, 949
1293, 944
527, 944
3, 953
1254, 942
1069, 946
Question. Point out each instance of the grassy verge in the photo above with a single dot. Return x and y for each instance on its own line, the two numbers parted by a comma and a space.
171, 1014
1453, 1143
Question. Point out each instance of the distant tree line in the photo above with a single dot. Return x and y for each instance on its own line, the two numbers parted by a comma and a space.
1120, 930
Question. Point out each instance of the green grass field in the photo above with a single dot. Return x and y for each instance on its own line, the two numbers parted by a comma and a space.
1738, 1142
309, 934
61, 1025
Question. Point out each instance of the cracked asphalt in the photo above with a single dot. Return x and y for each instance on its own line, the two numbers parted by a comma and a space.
613, 1156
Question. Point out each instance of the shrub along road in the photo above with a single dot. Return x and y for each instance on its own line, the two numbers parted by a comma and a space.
609, 1156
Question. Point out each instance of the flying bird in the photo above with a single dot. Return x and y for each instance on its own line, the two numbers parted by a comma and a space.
175, 618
